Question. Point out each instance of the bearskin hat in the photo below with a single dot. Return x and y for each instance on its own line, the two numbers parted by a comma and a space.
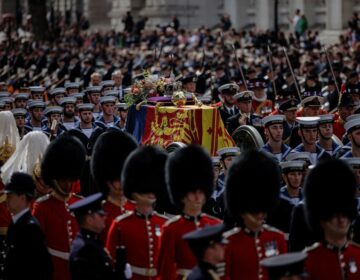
64, 159
110, 152
253, 184
329, 189
187, 170
144, 171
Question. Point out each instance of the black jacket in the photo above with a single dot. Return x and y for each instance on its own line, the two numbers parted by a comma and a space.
203, 271
88, 259
26, 253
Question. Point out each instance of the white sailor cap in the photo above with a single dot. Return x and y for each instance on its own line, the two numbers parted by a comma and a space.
215, 161
19, 112
228, 152
273, 119
122, 106
21, 96
67, 100
231, 89
328, 118
293, 165
36, 104
244, 95
7, 100
111, 92
107, 83
37, 89
352, 117
56, 91
352, 124
4, 94
78, 95
53, 110
108, 99
308, 122
304, 156
71, 85
93, 89
85, 107
354, 162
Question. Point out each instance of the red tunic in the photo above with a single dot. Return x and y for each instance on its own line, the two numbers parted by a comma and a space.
139, 234
246, 249
262, 108
5, 217
339, 129
60, 229
327, 262
175, 257
112, 211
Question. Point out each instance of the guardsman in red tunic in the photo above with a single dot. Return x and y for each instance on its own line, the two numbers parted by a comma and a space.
252, 190
345, 109
143, 178
110, 152
61, 166
190, 184
330, 207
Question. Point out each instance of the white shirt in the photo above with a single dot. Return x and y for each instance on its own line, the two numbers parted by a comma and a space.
87, 132
17, 216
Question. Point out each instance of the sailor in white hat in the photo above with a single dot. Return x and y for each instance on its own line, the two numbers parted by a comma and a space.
352, 128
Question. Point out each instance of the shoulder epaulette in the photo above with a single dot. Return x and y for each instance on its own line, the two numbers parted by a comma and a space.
270, 228
312, 247
173, 220
123, 216
161, 216
43, 198
231, 232
354, 244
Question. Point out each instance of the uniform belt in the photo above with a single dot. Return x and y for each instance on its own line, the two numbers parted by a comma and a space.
183, 271
59, 254
144, 271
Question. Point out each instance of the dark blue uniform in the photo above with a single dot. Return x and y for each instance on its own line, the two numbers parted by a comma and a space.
88, 259
204, 271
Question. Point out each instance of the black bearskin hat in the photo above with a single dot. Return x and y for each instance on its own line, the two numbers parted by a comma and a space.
329, 189
189, 169
64, 159
110, 152
144, 171
253, 184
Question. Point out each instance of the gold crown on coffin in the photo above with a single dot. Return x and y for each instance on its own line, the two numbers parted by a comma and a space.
6, 150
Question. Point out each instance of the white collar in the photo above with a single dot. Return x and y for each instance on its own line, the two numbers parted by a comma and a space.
17, 216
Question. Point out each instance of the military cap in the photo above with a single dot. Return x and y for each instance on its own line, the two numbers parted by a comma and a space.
288, 105
352, 124
228, 152
107, 83
19, 112
245, 190
56, 91
304, 156
216, 161
53, 110
67, 100
109, 154
308, 122
327, 194
189, 169
285, 265
7, 100
37, 89
93, 89
294, 165
107, 99
111, 92
346, 101
20, 183
354, 162
200, 239
231, 89
85, 107
64, 159
312, 97
327, 118
36, 104
21, 96
256, 83
78, 95
4, 94
144, 172
189, 78
72, 85
88, 205
122, 106
244, 95
273, 119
